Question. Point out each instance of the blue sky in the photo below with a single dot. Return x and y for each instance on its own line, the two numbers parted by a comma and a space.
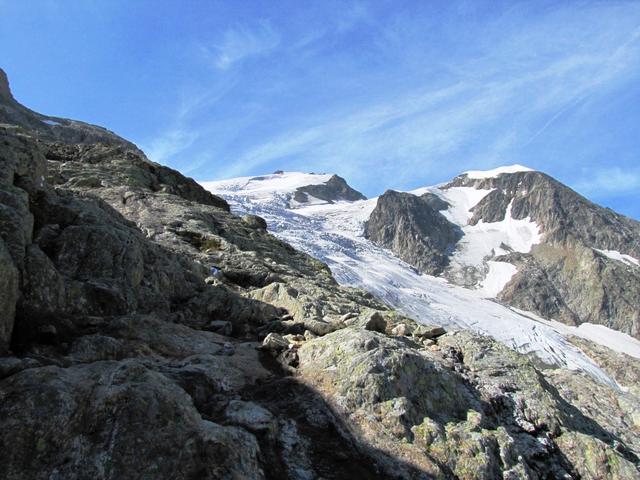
388, 94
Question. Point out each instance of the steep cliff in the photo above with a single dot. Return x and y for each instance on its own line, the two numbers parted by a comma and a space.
524, 238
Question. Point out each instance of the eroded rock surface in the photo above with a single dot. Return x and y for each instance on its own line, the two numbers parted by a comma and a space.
414, 229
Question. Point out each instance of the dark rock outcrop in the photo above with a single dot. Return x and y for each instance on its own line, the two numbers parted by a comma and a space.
414, 229
334, 190
5, 90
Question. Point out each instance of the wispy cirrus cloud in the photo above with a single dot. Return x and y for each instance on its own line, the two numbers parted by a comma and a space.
492, 105
606, 181
241, 42
409, 96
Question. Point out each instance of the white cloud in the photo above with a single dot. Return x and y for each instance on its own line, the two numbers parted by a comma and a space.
608, 181
241, 42
171, 142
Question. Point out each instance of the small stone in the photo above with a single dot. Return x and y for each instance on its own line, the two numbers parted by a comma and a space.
429, 331
350, 321
320, 327
376, 323
427, 342
400, 330
434, 348
228, 349
293, 338
222, 327
308, 335
348, 316
275, 342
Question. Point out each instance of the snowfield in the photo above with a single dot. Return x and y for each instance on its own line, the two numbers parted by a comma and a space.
333, 233
484, 241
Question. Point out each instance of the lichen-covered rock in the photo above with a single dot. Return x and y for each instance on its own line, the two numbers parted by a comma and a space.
376, 323
428, 331
275, 342
472, 408
113, 420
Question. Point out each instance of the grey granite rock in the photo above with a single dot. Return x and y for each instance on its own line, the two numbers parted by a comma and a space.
335, 189
413, 229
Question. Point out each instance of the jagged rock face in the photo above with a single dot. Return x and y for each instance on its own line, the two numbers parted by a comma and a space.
564, 277
414, 229
563, 214
114, 370
52, 128
335, 189
97, 166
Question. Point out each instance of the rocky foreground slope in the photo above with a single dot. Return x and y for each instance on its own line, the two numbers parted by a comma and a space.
123, 358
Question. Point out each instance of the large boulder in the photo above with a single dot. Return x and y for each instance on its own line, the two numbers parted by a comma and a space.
110, 420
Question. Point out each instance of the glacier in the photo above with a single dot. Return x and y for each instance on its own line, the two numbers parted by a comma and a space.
333, 233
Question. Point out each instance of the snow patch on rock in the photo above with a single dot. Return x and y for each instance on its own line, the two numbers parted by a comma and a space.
499, 274
621, 257
485, 240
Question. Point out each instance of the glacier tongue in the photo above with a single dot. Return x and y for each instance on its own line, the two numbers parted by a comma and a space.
333, 234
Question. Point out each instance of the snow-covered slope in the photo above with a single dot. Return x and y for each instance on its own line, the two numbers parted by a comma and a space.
497, 171
333, 232
483, 241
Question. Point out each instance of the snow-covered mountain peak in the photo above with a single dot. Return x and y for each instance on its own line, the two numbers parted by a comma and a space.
479, 174
289, 189
263, 185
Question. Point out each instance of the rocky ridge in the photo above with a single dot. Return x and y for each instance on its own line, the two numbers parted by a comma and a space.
333, 190
124, 357
566, 275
